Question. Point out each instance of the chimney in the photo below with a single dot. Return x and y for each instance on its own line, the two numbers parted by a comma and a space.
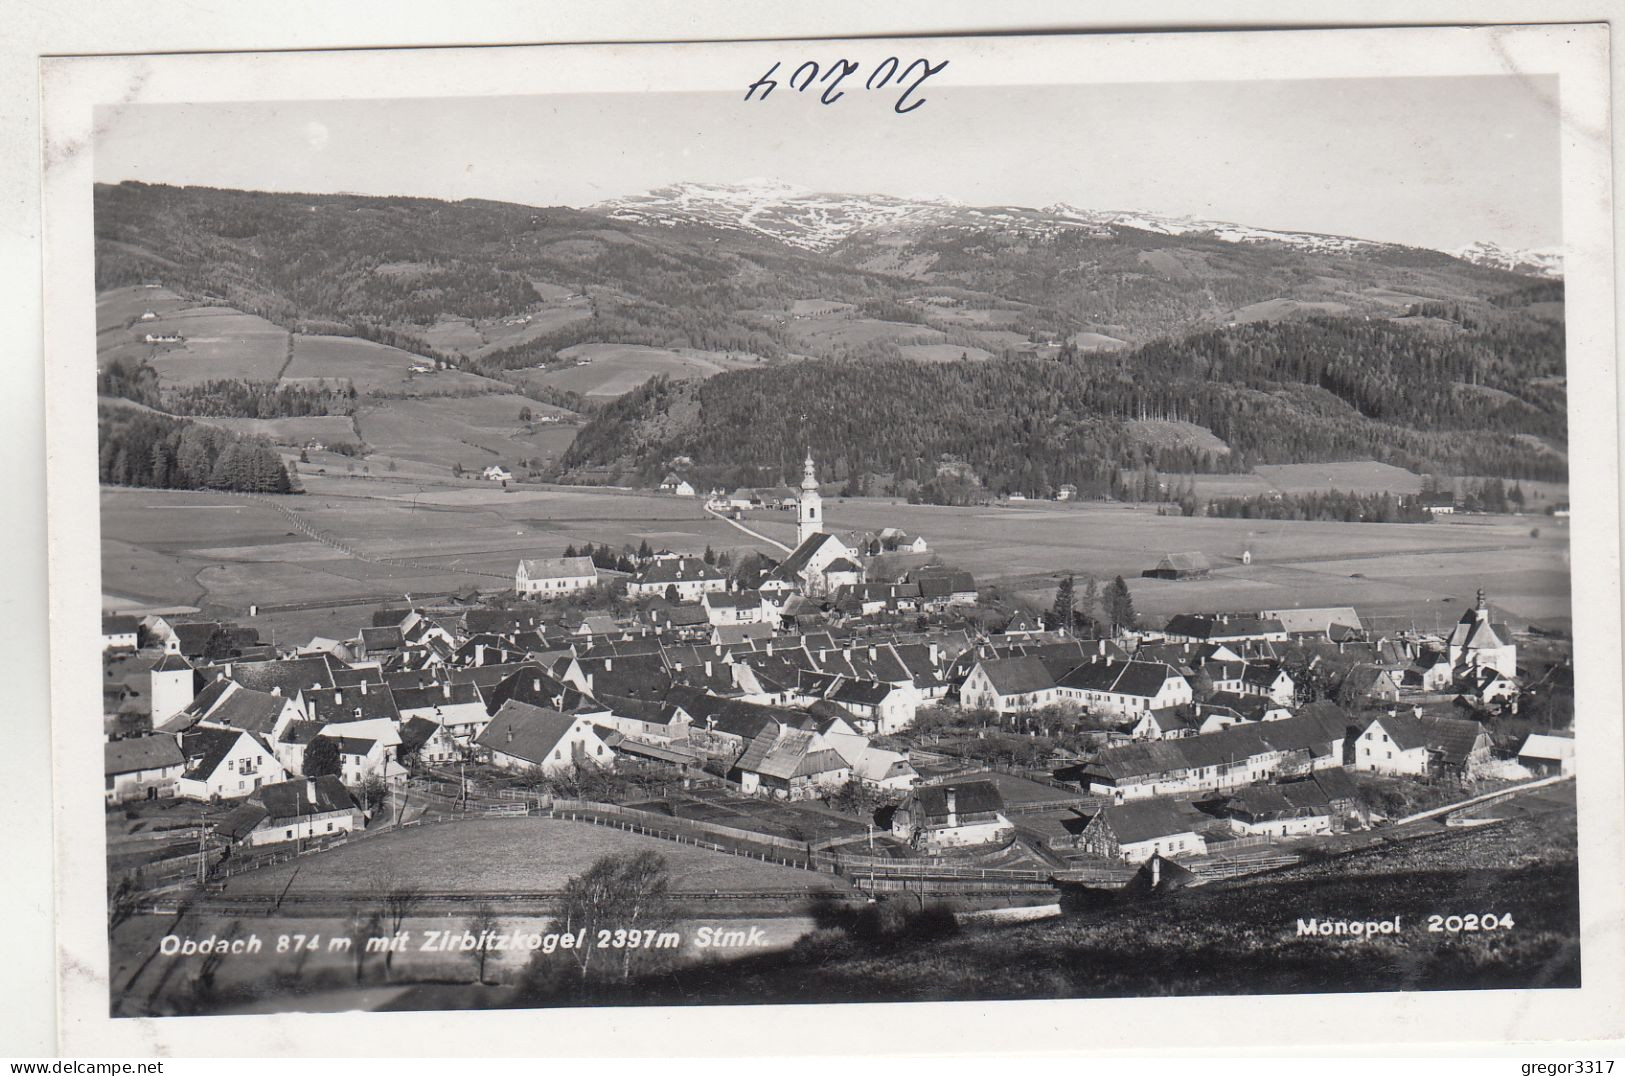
952, 804
510, 733
338, 696
357, 711
276, 689
536, 685
445, 688
708, 668
363, 687
479, 653
609, 664
1480, 605
310, 789
874, 654
931, 649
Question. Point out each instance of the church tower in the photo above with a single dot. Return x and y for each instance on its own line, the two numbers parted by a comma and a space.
807, 508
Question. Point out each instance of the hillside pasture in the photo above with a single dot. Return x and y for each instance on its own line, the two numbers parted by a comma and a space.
219, 343
824, 336
378, 369
1277, 309
1360, 476
293, 432
1090, 341
944, 353
616, 369
474, 431
120, 308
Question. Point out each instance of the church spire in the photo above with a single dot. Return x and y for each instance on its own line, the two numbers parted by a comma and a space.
808, 504
809, 480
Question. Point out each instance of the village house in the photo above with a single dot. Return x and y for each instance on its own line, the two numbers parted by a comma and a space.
142, 768
458, 709
1134, 832
742, 607
523, 737
790, 763
1008, 685
300, 810
497, 473
120, 632
362, 756
1367, 681
957, 815
1223, 628
225, 764
549, 577
1335, 623
1166, 724
1123, 689
1291, 809
682, 579
677, 486
1425, 746
942, 587
428, 741
1243, 754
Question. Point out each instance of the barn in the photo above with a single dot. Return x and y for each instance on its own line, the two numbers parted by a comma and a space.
1180, 566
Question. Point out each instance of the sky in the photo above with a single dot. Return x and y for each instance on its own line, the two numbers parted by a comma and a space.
1434, 162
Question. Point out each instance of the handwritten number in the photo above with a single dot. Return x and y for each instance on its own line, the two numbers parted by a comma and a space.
767, 81
929, 71
841, 69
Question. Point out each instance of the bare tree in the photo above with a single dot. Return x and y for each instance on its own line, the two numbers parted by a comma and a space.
618, 892
398, 897
484, 921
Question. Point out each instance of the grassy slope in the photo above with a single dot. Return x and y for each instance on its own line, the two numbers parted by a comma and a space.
1223, 939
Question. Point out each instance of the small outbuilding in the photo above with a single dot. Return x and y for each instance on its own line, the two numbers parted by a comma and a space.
1180, 566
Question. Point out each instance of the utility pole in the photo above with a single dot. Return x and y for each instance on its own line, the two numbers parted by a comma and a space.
202, 851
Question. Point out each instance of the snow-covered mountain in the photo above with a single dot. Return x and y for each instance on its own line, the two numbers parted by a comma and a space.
1530, 262
817, 221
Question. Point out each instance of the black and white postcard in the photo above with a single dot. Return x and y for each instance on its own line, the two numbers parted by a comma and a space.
1122, 522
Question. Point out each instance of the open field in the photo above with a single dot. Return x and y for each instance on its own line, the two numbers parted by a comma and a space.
170, 547
511, 855
1413, 571
819, 335
616, 369
474, 431
230, 550
1365, 476
943, 352
219, 343
293, 432
378, 368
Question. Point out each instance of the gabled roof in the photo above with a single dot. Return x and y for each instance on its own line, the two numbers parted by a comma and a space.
294, 799
1225, 627
1452, 737
1142, 679
292, 675
1149, 819
204, 749
526, 732
434, 695
342, 704
678, 570
558, 567
1017, 676
120, 625
249, 710
1184, 562
140, 753
415, 732
1541, 746
970, 797
797, 561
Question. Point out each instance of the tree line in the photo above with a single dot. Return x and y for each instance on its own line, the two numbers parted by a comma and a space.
158, 451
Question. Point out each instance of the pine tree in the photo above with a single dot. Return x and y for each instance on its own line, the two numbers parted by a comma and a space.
1062, 613
1120, 606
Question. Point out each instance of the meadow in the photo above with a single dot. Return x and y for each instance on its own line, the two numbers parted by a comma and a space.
616, 369
512, 855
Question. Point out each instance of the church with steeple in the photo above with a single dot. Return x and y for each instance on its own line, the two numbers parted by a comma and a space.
809, 504
820, 562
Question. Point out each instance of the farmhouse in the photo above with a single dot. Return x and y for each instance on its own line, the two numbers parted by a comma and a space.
547, 577
941, 586
521, 737
936, 817
497, 473
790, 763
1292, 809
1008, 685
1368, 681
362, 755
677, 486
1421, 746
1134, 832
292, 811
1180, 566
1166, 724
429, 740
146, 767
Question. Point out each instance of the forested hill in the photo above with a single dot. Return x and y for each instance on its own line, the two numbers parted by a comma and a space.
1480, 397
